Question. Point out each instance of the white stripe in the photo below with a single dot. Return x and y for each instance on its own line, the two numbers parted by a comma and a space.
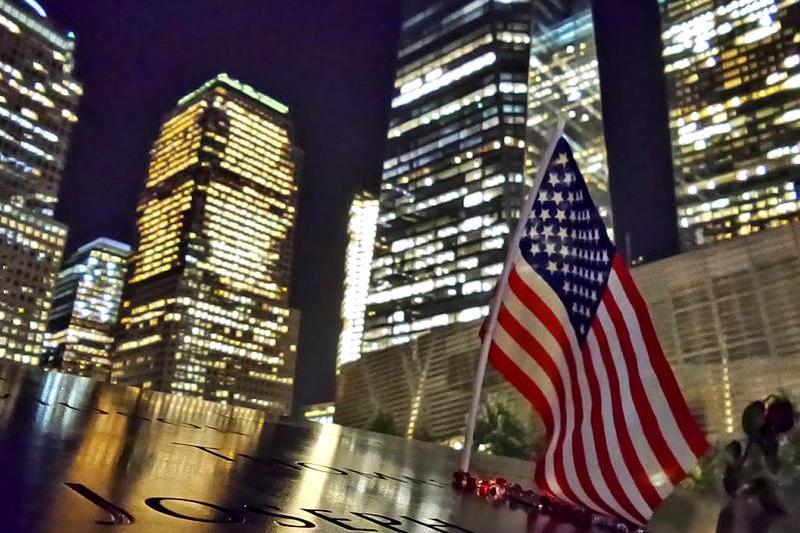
551, 346
658, 402
593, 463
529, 367
537, 330
619, 468
642, 447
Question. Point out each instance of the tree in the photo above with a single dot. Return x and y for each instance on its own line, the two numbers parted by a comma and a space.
383, 422
500, 432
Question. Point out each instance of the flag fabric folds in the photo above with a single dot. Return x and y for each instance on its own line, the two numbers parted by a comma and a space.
573, 334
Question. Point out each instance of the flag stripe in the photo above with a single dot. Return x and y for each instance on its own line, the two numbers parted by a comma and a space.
692, 433
602, 443
622, 419
562, 470
608, 408
539, 352
641, 403
557, 345
576, 442
514, 374
524, 283
669, 426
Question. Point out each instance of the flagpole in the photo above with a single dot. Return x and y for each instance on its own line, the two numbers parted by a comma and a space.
502, 285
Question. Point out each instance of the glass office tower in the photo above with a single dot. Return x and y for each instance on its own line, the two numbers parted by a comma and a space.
564, 82
205, 311
453, 172
86, 309
733, 74
358, 261
38, 101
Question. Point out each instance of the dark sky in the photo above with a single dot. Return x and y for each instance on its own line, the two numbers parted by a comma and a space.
330, 61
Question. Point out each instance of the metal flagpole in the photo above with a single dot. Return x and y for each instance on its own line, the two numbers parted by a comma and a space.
502, 285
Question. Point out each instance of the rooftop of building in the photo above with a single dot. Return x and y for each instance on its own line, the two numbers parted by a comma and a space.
105, 243
31, 13
243, 88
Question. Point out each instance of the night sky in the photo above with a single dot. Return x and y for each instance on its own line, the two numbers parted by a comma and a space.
331, 62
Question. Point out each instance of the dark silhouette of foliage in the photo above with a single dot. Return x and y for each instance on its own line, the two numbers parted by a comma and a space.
383, 422
501, 432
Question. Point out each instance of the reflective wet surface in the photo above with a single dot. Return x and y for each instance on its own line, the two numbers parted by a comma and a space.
78, 455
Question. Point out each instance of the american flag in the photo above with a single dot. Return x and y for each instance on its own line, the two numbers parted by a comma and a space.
573, 334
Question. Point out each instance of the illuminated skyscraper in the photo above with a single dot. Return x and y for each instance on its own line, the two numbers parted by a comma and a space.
455, 156
86, 309
564, 82
453, 172
733, 71
205, 311
38, 100
358, 260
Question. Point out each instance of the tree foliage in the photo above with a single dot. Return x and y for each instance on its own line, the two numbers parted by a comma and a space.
383, 422
501, 432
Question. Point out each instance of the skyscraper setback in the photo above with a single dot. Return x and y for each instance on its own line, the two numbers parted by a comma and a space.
453, 173
38, 101
206, 310
733, 71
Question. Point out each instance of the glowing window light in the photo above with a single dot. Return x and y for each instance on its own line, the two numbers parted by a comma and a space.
762, 32
33, 4
792, 82
789, 116
791, 61
456, 74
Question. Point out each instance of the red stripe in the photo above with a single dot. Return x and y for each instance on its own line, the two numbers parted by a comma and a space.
600, 444
688, 426
537, 352
542, 311
518, 286
509, 370
521, 336
647, 418
629, 455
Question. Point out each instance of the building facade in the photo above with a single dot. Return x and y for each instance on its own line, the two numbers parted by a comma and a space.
425, 385
731, 335
453, 172
564, 82
733, 74
206, 311
86, 309
361, 228
38, 104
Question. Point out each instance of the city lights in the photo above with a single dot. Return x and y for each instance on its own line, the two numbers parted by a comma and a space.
206, 309
731, 70
361, 229
452, 176
38, 100
86, 309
